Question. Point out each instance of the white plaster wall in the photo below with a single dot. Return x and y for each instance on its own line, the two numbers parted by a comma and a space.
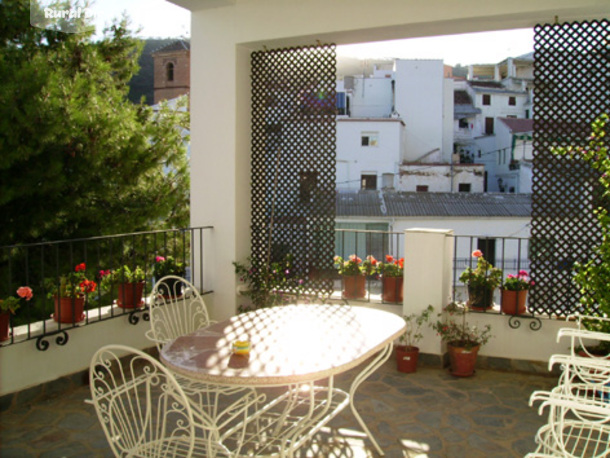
438, 177
353, 159
371, 98
419, 102
428, 259
448, 129
23, 366
224, 32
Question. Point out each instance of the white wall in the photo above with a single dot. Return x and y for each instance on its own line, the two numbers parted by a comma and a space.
371, 98
420, 99
438, 177
428, 263
23, 366
223, 33
353, 159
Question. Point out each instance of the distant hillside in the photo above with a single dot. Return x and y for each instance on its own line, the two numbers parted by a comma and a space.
143, 83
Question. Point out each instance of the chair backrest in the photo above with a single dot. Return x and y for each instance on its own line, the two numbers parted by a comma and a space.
141, 407
176, 309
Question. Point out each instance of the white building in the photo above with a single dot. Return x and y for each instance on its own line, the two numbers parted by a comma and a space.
513, 170
400, 115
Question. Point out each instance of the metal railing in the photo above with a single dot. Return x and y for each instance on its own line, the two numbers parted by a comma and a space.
42, 265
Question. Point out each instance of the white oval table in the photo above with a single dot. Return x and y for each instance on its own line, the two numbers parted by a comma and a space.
296, 346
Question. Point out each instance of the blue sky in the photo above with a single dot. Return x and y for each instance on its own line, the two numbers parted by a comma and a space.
159, 18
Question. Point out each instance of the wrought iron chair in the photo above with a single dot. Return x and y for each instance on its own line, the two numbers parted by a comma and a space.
579, 406
142, 408
177, 309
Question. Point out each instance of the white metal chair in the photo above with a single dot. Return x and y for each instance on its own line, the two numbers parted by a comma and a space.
141, 407
579, 406
176, 309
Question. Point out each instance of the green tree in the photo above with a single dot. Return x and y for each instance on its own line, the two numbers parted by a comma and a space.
77, 158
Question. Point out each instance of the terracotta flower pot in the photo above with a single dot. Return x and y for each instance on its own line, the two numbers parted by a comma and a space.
462, 360
69, 309
480, 297
406, 358
5, 319
130, 295
513, 302
392, 289
354, 286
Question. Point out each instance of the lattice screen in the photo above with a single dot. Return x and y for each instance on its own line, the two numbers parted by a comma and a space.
294, 159
571, 76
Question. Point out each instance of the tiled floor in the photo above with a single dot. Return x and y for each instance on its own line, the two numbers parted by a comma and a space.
429, 413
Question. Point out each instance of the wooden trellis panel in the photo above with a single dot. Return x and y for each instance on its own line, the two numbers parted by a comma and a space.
294, 159
571, 78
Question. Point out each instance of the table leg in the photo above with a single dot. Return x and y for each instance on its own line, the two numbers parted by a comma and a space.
381, 358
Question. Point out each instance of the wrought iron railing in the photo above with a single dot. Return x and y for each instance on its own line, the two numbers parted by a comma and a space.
509, 254
42, 265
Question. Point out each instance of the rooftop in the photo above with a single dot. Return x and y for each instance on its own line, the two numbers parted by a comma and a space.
518, 125
417, 204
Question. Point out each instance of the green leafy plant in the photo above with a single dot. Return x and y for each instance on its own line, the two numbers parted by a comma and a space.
454, 329
123, 274
355, 266
392, 267
484, 275
75, 284
519, 282
269, 285
168, 266
593, 276
414, 322
11, 304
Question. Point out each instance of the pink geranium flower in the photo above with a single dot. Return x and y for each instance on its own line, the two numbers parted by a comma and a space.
25, 292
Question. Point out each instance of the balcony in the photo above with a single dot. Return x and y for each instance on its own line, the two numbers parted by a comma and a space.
53, 357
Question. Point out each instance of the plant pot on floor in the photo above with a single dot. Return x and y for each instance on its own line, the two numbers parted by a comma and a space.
354, 286
513, 302
406, 358
480, 297
69, 309
392, 289
130, 295
5, 320
463, 360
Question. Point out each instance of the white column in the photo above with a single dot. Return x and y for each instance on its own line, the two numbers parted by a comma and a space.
427, 274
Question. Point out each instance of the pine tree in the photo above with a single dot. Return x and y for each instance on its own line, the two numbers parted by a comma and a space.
77, 158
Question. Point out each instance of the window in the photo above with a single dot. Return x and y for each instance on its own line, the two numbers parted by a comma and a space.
527, 114
489, 126
486, 99
512, 101
341, 106
488, 247
464, 187
369, 181
369, 138
463, 123
421, 188
308, 181
169, 72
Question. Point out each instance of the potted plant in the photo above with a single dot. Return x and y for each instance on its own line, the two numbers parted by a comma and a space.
391, 273
463, 341
354, 271
268, 285
481, 282
69, 293
514, 293
593, 276
165, 266
407, 353
9, 306
130, 285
